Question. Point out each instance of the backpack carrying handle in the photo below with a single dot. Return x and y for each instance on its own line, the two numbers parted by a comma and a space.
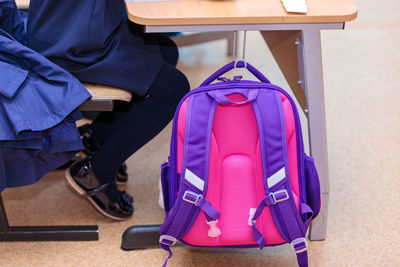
221, 96
230, 66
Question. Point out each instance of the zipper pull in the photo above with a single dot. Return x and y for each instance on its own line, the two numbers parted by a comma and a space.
223, 79
237, 78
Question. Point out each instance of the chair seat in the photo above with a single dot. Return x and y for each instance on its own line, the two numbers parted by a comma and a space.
103, 92
103, 97
22, 4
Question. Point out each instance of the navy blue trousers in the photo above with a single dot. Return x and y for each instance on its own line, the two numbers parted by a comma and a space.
131, 125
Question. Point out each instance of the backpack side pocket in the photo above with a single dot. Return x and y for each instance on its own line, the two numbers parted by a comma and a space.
313, 191
164, 184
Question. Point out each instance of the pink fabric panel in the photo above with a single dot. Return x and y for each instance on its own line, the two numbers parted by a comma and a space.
181, 133
232, 165
291, 143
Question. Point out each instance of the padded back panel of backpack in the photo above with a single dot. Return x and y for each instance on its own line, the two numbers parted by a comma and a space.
235, 175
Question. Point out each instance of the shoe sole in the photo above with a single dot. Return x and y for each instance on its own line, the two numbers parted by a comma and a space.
82, 192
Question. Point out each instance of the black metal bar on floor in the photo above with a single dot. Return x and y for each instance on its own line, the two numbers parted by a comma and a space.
3, 218
141, 236
45, 233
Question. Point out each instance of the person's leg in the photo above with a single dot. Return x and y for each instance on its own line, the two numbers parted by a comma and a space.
101, 125
140, 122
94, 177
168, 50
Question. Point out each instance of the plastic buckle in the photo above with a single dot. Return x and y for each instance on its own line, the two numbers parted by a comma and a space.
299, 245
167, 240
191, 197
275, 194
214, 231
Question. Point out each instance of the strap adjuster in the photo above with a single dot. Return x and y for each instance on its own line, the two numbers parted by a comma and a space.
299, 245
279, 196
167, 240
192, 197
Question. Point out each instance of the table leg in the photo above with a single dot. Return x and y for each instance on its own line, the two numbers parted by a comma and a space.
282, 45
314, 87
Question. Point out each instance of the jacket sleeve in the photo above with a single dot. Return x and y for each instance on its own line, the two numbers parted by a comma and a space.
12, 79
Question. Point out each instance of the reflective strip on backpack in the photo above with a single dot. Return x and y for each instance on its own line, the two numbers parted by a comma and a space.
194, 180
276, 177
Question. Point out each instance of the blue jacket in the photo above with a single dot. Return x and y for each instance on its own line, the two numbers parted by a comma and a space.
38, 102
90, 39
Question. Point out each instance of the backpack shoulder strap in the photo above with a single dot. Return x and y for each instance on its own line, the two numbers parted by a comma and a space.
276, 175
194, 174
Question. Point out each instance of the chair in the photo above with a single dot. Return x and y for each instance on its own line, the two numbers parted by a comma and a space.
103, 98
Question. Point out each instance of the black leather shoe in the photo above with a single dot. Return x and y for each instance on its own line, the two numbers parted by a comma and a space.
91, 146
83, 180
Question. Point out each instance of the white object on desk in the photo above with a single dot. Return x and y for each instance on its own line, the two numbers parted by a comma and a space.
295, 6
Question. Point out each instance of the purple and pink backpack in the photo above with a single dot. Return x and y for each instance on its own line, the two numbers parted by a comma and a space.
237, 175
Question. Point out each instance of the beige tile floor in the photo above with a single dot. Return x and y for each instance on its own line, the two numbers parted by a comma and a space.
362, 91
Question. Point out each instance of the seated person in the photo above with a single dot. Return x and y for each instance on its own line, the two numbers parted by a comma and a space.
91, 40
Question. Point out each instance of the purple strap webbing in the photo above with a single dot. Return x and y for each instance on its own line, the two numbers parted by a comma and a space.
279, 197
168, 249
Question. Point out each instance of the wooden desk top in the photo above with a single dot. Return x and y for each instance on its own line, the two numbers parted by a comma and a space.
217, 12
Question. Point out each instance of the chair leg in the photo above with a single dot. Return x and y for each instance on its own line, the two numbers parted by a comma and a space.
45, 233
